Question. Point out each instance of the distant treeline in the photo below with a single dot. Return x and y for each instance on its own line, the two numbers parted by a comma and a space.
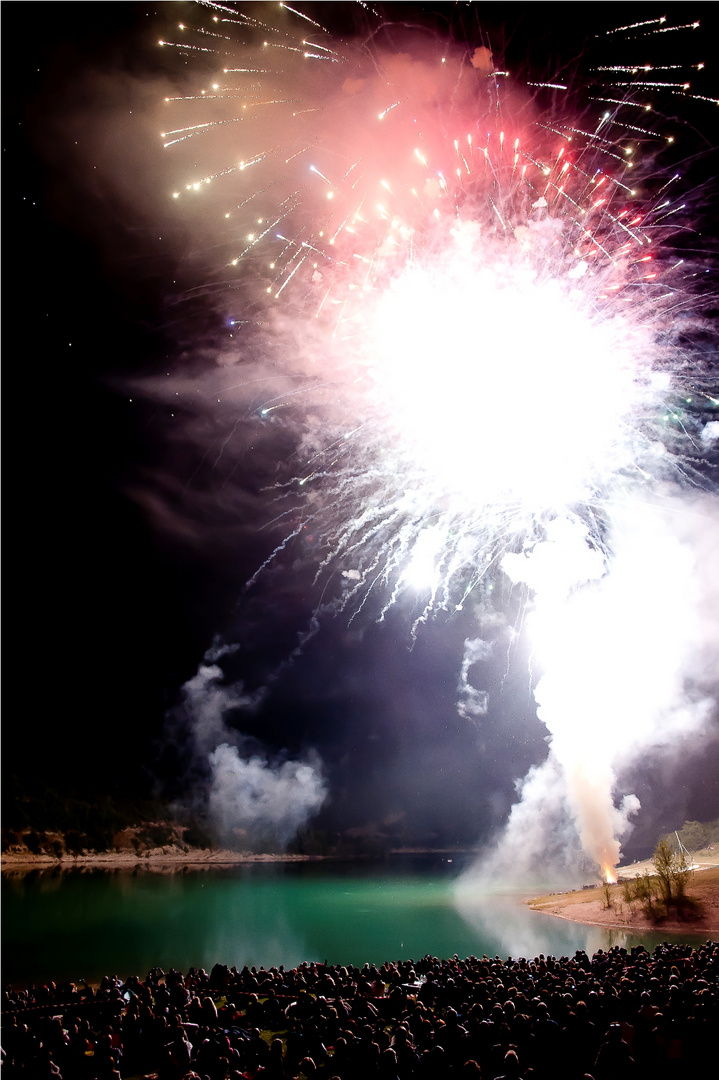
695, 835
43, 809
44, 821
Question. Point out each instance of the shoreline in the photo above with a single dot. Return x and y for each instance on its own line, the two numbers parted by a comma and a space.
588, 906
170, 859
154, 858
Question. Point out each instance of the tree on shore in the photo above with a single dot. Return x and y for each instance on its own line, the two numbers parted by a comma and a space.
673, 873
666, 889
644, 893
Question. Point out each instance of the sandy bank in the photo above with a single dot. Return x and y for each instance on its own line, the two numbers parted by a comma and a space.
589, 906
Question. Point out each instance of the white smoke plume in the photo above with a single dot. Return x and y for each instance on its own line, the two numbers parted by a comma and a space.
630, 661
522, 932
472, 702
254, 798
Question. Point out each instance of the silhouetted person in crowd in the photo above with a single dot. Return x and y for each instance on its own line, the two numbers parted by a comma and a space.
614, 1061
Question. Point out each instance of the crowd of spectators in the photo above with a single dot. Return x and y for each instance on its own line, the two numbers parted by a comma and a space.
619, 1014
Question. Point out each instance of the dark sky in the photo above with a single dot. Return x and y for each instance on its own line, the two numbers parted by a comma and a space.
126, 552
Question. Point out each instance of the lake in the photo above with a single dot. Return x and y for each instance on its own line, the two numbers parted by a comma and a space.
84, 924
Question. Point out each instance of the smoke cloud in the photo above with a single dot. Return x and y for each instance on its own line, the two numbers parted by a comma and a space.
630, 655
472, 702
252, 798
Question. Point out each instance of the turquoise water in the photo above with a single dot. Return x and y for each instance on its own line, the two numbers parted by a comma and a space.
73, 924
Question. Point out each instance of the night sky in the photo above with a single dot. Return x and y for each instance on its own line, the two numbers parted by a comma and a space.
131, 525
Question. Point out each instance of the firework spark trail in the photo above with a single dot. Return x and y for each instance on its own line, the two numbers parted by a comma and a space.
488, 324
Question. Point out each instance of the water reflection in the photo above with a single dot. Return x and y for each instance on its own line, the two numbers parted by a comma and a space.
524, 932
71, 925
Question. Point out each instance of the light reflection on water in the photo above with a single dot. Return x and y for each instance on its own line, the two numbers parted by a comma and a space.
85, 924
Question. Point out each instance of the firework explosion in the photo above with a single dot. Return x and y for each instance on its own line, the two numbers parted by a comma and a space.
484, 309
